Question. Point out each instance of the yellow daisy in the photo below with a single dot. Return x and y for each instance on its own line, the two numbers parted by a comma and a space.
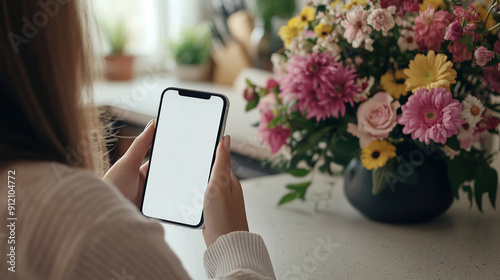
354, 3
307, 15
322, 30
288, 32
394, 83
377, 153
431, 71
434, 3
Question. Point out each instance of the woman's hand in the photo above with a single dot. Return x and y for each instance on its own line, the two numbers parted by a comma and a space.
224, 207
127, 174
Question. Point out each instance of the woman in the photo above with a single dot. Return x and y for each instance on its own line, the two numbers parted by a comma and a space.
64, 222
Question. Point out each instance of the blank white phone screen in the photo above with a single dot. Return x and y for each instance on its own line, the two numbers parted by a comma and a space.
185, 142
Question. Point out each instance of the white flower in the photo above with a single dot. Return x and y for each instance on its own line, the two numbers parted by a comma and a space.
472, 109
366, 83
369, 44
356, 30
381, 20
329, 43
406, 41
318, 2
279, 63
300, 45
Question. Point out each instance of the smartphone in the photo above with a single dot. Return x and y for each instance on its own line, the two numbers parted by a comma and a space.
189, 126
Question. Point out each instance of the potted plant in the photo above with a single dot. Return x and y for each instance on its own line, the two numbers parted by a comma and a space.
119, 66
191, 52
402, 94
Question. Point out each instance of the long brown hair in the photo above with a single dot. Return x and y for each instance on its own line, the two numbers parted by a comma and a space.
46, 68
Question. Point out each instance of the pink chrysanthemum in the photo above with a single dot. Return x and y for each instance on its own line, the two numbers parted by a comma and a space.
430, 28
320, 85
431, 115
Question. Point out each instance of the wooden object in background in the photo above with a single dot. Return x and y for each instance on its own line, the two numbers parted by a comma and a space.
240, 25
229, 61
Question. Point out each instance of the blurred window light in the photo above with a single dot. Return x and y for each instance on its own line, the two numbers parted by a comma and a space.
141, 18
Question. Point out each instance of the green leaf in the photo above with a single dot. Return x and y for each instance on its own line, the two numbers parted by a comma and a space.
453, 143
299, 190
299, 187
252, 104
379, 177
459, 172
287, 198
299, 172
296, 159
344, 150
276, 121
468, 41
486, 182
469, 192
249, 83
262, 92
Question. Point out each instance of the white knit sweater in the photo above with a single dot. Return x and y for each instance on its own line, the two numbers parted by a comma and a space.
72, 225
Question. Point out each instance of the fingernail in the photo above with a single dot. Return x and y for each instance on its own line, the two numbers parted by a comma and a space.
149, 123
227, 142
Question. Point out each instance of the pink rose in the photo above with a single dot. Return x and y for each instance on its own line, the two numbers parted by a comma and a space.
454, 31
470, 28
271, 85
460, 52
483, 56
468, 15
276, 137
496, 47
267, 102
377, 117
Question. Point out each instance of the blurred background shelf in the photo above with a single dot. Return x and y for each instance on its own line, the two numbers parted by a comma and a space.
132, 104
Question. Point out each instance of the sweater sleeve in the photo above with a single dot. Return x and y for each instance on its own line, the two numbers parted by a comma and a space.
122, 244
238, 255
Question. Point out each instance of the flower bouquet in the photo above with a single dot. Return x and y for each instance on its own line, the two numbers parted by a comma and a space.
378, 80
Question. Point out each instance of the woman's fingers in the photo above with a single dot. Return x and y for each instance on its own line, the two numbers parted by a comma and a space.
221, 171
135, 154
224, 208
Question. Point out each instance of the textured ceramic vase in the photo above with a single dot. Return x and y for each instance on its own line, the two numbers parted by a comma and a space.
427, 197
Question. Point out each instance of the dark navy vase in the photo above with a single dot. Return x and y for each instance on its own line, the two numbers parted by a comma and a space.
419, 201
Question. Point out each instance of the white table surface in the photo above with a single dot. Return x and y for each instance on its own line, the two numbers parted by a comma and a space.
461, 244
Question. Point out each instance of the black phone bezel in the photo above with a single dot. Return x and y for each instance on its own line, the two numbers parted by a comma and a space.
193, 94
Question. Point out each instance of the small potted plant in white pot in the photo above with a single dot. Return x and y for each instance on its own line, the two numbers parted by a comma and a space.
191, 53
119, 65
